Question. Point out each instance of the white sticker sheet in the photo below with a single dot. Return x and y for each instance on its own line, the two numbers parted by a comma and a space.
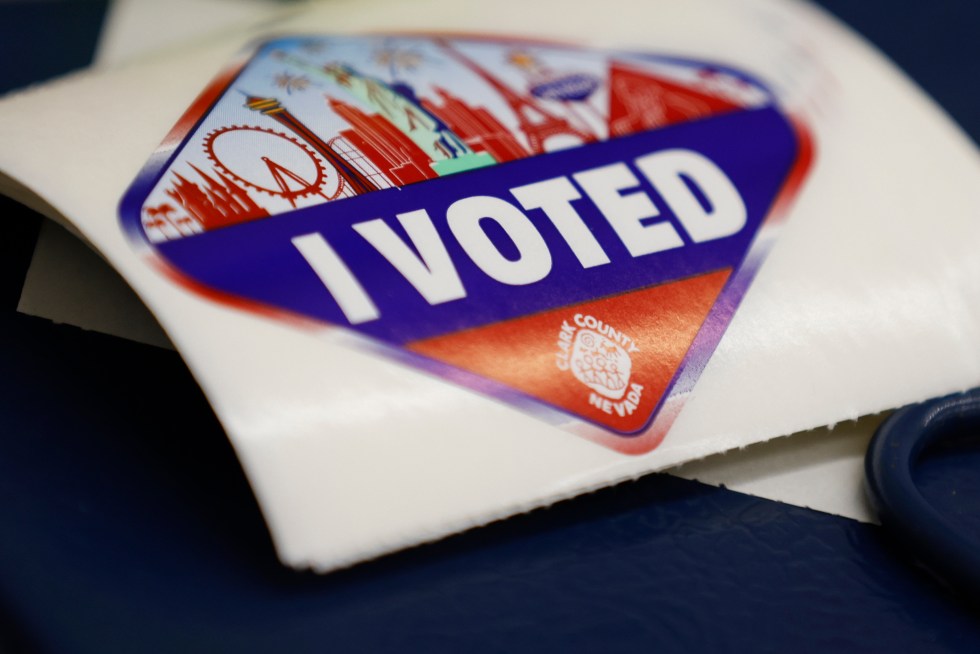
861, 305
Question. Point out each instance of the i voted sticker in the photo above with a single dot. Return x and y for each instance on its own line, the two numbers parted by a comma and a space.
565, 228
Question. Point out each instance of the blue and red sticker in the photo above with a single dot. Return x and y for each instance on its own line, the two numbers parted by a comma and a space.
566, 228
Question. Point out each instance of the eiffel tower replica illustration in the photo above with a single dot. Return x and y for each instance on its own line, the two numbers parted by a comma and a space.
537, 123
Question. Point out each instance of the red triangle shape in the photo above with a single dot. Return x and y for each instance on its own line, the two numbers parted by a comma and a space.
640, 101
609, 361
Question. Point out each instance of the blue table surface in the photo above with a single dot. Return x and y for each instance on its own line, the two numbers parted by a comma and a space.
128, 525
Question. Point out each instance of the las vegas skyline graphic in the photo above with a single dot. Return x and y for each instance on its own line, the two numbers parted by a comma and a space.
319, 128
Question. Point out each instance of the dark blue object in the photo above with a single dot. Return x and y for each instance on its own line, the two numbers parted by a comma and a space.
128, 526
933, 537
40, 39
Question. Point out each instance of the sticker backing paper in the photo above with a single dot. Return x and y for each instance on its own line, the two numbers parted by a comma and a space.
568, 229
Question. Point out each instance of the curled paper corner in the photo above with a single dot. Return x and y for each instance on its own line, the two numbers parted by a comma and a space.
821, 468
69, 283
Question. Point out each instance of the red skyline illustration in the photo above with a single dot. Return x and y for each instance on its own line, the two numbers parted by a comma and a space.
376, 150
639, 101
476, 126
537, 123
218, 204
384, 145
353, 178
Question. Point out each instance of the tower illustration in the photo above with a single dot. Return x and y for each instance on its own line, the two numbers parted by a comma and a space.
639, 100
353, 178
476, 126
537, 123
399, 105
396, 155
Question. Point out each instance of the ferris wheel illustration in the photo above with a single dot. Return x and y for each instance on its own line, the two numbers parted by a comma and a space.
272, 162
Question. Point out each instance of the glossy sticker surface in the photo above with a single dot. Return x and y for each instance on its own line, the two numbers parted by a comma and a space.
564, 228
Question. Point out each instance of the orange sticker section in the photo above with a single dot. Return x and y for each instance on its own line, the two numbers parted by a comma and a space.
609, 361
